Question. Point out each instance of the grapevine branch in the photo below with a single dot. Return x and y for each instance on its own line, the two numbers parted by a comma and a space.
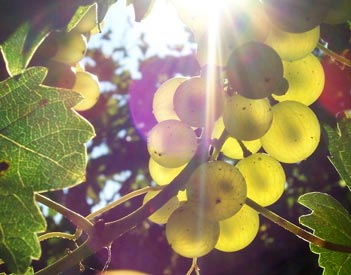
108, 232
296, 230
74, 217
339, 58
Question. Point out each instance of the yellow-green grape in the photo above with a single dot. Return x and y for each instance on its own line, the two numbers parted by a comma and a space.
190, 234
247, 119
231, 147
163, 175
71, 47
264, 176
193, 14
171, 143
216, 189
255, 70
306, 80
182, 195
88, 21
196, 104
304, 43
161, 215
162, 104
59, 75
238, 231
88, 86
339, 12
294, 134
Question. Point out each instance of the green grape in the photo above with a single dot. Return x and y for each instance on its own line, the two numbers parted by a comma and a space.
306, 80
171, 143
255, 70
189, 234
304, 43
238, 231
161, 215
88, 86
88, 21
339, 12
264, 176
59, 75
231, 147
296, 16
247, 119
71, 47
216, 189
162, 104
163, 175
294, 134
196, 104
182, 196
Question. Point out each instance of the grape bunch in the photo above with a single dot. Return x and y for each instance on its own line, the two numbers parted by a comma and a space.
259, 102
61, 52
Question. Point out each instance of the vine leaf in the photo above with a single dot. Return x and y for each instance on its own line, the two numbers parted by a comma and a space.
42, 148
331, 221
19, 48
339, 148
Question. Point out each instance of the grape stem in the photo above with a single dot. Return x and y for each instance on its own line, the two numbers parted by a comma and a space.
296, 230
194, 267
337, 57
62, 235
74, 217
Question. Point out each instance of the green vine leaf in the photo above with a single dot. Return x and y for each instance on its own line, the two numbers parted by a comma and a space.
42, 143
29, 271
19, 48
331, 221
339, 147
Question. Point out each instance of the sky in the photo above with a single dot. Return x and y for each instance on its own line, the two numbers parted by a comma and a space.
163, 32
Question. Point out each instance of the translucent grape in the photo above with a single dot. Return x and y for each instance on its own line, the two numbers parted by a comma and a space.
88, 21
247, 119
195, 104
304, 43
264, 176
255, 70
190, 234
88, 86
294, 134
163, 175
306, 80
216, 188
161, 215
162, 104
238, 231
171, 143
231, 147
71, 47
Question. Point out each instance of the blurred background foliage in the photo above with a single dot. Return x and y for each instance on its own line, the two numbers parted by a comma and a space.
118, 164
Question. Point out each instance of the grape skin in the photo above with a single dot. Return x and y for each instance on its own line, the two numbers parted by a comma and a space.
217, 189
88, 86
189, 234
238, 231
171, 143
294, 134
264, 176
